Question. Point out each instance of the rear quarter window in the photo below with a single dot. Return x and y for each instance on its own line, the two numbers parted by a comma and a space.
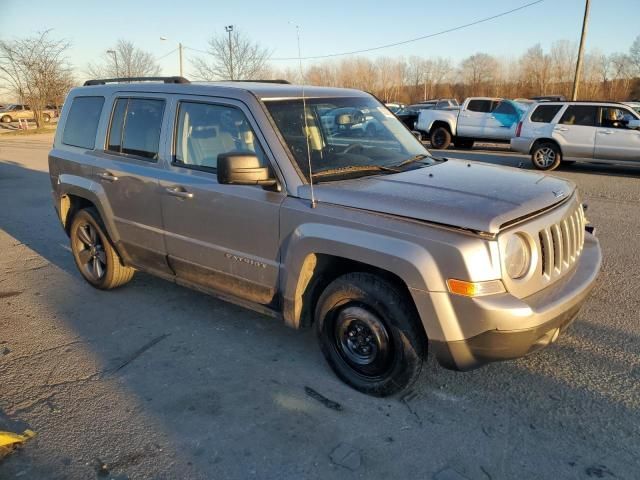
545, 113
82, 122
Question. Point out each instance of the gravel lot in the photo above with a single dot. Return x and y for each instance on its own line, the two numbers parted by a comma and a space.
157, 381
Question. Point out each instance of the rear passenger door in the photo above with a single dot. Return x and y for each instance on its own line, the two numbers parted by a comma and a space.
576, 131
501, 123
128, 171
221, 237
472, 120
614, 140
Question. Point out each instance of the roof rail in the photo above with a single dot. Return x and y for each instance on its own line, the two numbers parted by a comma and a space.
280, 81
103, 81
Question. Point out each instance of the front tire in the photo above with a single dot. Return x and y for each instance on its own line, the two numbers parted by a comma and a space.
546, 156
6, 119
440, 138
370, 334
46, 118
95, 257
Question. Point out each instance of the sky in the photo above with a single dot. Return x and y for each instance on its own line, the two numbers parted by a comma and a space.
326, 27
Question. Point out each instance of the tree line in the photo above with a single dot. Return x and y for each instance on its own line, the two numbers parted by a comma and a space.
35, 70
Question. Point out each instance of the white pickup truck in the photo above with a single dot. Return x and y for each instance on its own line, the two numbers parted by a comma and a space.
478, 118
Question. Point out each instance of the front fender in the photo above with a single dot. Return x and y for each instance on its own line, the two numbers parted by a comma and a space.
408, 261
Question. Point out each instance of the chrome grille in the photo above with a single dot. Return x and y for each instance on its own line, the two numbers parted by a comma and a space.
561, 243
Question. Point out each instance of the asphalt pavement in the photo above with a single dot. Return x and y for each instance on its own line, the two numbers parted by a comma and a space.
157, 381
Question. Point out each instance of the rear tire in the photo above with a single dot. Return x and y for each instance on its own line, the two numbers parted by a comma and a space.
95, 257
370, 334
546, 156
440, 138
46, 118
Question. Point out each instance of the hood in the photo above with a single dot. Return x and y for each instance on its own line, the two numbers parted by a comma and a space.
468, 195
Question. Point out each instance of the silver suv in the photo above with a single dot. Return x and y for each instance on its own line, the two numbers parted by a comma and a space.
557, 132
388, 252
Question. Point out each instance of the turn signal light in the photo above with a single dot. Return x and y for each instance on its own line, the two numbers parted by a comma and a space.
475, 289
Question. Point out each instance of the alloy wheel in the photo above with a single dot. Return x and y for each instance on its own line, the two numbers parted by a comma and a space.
91, 254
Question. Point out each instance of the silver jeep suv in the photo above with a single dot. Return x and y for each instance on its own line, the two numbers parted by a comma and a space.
240, 190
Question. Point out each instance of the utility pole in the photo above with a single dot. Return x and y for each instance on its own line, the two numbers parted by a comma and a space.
180, 52
229, 29
576, 79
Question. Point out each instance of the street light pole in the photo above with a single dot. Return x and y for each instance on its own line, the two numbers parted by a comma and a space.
115, 59
576, 79
229, 29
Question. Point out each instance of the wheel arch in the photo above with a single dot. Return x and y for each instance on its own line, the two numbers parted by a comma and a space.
538, 141
441, 123
312, 262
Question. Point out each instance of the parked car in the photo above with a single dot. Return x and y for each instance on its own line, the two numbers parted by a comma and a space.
390, 249
557, 132
549, 98
479, 118
634, 105
12, 113
394, 106
361, 122
409, 114
439, 104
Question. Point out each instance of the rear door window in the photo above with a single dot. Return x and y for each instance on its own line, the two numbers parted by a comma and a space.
545, 113
580, 115
482, 106
82, 122
505, 108
135, 127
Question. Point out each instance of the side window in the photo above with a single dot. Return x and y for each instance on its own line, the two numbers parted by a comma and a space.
135, 127
505, 108
613, 117
482, 106
82, 122
580, 115
204, 131
545, 113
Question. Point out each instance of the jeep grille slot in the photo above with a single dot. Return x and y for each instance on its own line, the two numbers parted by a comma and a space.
561, 244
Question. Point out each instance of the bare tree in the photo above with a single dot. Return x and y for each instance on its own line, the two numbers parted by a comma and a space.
238, 59
35, 70
634, 56
125, 60
478, 72
535, 68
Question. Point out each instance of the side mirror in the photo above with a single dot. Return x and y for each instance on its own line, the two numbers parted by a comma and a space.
416, 134
241, 168
633, 124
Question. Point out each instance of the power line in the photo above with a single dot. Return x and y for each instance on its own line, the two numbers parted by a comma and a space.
166, 54
404, 42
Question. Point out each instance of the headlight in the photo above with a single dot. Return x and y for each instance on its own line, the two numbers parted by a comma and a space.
517, 257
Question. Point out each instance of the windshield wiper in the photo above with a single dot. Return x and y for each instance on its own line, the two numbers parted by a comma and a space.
355, 168
413, 159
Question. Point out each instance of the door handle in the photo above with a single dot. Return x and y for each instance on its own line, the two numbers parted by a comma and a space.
107, 176
464, 116
561, 129
605, 132
179, 192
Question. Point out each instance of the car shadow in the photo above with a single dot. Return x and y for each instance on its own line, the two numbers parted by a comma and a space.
153, 371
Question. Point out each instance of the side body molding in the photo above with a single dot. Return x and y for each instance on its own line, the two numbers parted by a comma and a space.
69, 184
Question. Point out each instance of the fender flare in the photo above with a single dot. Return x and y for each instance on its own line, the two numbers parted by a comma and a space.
408, 261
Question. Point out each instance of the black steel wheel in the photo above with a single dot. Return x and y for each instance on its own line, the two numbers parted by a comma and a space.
440, 138
95, 257
370, 333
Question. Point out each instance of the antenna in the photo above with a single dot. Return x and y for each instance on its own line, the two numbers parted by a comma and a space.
306, 124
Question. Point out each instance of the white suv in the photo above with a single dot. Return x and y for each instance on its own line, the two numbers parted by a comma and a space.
556, 132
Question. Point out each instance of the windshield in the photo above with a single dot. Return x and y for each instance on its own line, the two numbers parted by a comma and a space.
346, 137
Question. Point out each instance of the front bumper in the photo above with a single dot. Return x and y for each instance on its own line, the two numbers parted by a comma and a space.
521, 144
519, 326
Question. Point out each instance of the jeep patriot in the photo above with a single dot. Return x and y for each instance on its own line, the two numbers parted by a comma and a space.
274, 197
